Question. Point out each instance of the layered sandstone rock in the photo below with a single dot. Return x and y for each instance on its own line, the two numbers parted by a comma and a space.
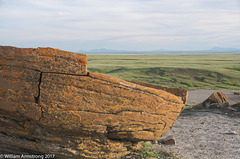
183, 93
50, 104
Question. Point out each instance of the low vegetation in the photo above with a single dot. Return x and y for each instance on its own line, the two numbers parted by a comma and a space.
206, 71
149, 152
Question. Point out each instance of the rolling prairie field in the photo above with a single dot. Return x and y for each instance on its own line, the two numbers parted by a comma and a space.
188, 71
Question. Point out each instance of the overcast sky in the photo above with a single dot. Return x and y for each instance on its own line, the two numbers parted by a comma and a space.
120, 24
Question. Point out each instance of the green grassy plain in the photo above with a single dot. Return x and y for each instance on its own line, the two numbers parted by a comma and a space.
188, 71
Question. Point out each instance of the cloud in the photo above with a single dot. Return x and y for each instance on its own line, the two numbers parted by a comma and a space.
220, 4
148, 24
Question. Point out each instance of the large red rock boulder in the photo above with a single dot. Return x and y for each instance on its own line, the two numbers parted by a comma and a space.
49, 103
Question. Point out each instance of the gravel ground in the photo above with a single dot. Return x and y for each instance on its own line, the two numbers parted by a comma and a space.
206, 134
199, 95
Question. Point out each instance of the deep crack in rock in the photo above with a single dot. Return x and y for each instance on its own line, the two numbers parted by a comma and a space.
37, 98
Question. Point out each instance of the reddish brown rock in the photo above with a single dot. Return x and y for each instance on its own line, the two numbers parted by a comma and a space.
74, 114
183, 93
217, 99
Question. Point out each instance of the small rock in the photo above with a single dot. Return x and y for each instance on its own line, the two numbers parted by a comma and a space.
231, 133
155, 142
216, 100
236, 93
170, 140
232, 109
136, 146
236, 106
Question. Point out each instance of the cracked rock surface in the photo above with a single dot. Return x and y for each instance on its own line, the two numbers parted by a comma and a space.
49, 103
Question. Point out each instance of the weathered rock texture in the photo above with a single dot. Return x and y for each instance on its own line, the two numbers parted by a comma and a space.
183, 93
44, 60
50, 104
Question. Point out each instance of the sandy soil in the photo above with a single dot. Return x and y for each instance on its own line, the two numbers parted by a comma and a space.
207, 133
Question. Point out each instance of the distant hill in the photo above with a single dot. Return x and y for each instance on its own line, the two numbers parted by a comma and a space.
102, 50
110, 51
224, 49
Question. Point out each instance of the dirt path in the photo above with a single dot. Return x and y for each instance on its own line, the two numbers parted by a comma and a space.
204, 134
